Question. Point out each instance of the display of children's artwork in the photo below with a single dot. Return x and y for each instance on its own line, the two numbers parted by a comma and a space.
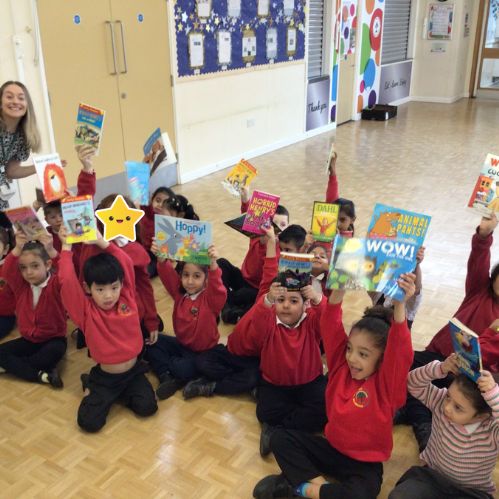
51, 174
324, 221
78, 218
240, 176
295, 270
440, 18
89, 123
24, 219
467, 348
485, 196
137, 175
261, 209
183, 240
232, 34
394, 223
370, 264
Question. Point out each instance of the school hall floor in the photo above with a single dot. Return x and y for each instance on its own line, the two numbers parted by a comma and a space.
426, 159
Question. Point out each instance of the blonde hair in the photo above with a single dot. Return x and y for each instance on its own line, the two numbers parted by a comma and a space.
27, 125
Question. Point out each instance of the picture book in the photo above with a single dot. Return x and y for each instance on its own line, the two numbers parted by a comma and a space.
238, 222
394, 223
183, 240
51, 174
324, 221
158, 151
24, 219
78, 218
137, 175
371, 264
89, 123
240, 176
485, 197
467, 348
294, 271
262, 207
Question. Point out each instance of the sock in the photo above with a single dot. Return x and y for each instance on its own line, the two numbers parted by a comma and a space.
43, 377
302, 489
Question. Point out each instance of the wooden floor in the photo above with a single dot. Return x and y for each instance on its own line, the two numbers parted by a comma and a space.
426, 160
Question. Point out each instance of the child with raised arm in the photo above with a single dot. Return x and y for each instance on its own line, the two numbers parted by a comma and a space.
41, 318
199, 295
110, 319
464, 443
366, 384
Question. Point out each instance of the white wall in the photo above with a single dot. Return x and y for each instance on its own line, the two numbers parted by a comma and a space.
443, 77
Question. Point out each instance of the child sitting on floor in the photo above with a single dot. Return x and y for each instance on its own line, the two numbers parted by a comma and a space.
7, 298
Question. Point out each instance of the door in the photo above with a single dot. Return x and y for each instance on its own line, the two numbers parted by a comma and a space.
489, 59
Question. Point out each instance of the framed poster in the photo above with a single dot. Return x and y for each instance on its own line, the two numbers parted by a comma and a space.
196, 50
224, 47
440, 18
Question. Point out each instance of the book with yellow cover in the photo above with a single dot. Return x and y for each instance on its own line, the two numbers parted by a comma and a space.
240, 176
324, 221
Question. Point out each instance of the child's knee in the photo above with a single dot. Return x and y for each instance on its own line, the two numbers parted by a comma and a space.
144, 406
90, 424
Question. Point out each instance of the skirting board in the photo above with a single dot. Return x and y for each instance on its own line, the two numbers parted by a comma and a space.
215, 167
440, 100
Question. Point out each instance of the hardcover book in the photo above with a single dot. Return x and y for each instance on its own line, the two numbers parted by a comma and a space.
51, 174
294, 271
485, 196
24, 219
183, 240
467, 348
261, 209
78, 218
137, 175
394, 223
238, 222
89, 123
240, 176
371, 264
324, 221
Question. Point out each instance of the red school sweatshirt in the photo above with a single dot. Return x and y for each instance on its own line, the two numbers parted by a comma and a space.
360, 412
479, 308
7, 298
112, 336
195, 321
288, 356
146, 225
45, 321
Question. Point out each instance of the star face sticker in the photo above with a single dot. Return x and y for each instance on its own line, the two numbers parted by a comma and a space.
119, 220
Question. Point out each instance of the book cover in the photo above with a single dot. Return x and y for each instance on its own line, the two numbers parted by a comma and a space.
371, 264
24, 219
485, 196
183, 240
324, 221
295, 270
158, 151
467, 348
238, 222
78, 218
262, 207
240, 176
89, 123
51, 174
137, 175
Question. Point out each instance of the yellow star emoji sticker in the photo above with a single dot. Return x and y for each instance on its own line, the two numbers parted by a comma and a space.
119, 220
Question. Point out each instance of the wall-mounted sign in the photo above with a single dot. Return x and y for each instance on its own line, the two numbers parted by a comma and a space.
395, 82
317, 103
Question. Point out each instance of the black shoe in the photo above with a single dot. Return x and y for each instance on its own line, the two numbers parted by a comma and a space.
422, 432
254, 394
168, 385
51, 378
401, 416
231, 315
80, 338
198, 388
85, 377
265, 435
273, 486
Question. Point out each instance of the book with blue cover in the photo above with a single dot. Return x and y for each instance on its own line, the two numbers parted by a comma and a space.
467, 348
388, 222
137, 175
371, 264
89, 123
183, 240
295, 270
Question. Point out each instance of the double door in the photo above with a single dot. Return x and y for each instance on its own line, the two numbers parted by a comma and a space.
114, 55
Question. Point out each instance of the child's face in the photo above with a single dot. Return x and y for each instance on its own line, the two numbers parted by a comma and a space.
319, 253
54, 219
362, 354
157, 202
459, 409
344, 222
289, 247
193, 278
290, 307
105, 296
32, 267
281, 221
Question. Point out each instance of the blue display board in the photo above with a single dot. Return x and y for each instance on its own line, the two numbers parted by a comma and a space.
210, 39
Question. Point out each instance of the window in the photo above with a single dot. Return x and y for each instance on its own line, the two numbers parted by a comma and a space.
316, 49
396, 31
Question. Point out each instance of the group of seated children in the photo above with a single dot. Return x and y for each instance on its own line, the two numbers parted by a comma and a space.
274, 351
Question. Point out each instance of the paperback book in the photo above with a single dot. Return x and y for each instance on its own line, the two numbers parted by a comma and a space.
51, 175
240, 176
158, 151
467, 348
324, 221
89, 123
261, 209
78, 218
394, 223
137, 175
485, 196
295, 270
183, 240
24, 219
371, 264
